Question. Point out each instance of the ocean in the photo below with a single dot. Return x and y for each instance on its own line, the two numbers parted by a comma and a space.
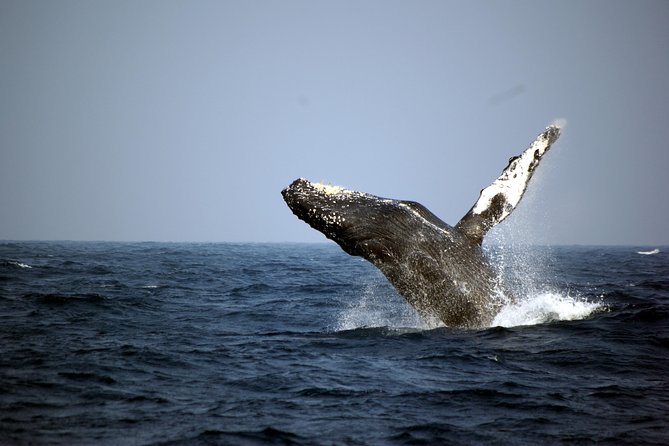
245, 344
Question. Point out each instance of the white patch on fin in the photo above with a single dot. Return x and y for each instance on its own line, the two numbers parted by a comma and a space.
511, 184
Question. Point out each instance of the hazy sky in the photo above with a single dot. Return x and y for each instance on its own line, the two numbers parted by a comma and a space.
183, 120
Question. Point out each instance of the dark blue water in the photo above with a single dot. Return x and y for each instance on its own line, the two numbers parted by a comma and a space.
124, 344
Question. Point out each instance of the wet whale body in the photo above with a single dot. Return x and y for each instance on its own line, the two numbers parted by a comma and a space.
439, 269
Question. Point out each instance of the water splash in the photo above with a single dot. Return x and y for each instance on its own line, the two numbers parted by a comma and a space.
538, 296
524, 266
543, 308
524, 270
379, 305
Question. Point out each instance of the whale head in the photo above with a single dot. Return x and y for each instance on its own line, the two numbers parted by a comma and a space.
342, 215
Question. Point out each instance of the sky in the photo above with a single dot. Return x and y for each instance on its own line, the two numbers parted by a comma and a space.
183, 120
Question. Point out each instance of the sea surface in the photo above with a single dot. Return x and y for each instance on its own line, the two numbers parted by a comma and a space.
244, 344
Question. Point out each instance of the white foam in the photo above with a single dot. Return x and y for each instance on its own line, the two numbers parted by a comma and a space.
379, 307
545, 307
649, 253
371, 311
21, 265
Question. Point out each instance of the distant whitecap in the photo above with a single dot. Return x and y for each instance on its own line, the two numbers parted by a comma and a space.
649, 253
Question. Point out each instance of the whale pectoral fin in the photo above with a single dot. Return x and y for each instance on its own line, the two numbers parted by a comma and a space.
499, 199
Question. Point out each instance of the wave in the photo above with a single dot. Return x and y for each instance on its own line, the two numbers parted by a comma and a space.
154, 287
649, 253
380, 331
86, 376
57, 298
14, 264
268, 435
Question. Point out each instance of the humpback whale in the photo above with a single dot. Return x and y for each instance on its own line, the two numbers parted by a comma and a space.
439, 269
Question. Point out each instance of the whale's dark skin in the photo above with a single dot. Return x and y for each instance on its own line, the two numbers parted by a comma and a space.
439, 269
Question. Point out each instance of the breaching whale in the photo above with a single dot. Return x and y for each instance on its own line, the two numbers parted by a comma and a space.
439, 269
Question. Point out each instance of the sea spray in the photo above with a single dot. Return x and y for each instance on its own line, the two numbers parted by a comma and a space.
379, 305
528, 288
523, 266
538, 297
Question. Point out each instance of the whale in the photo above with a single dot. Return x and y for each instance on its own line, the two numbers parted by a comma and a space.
441, 270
